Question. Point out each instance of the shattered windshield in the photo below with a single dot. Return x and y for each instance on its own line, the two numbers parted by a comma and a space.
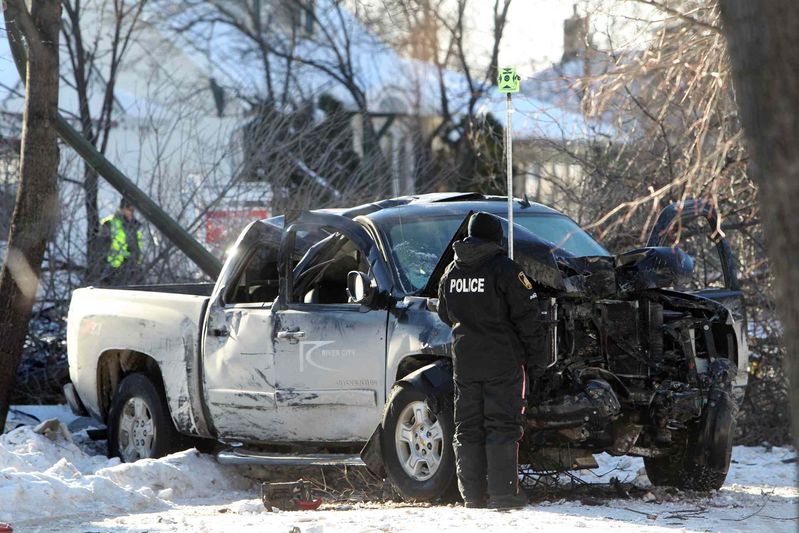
418, 244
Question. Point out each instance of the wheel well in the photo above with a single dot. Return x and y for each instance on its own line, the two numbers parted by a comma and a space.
114, 365
412, 363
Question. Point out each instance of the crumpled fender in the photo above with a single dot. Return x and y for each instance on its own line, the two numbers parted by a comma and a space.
435, 379
437, 383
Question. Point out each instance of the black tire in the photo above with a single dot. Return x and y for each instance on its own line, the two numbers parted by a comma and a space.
670, 471
681, 469
442, 482
162, 440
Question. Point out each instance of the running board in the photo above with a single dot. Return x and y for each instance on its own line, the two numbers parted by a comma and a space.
239, 456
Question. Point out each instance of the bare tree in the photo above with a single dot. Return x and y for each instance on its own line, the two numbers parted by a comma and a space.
95, 66
35, 211
437, 32
671, 131
764, 48
671, 101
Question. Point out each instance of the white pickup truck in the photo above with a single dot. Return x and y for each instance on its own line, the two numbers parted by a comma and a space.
322, 328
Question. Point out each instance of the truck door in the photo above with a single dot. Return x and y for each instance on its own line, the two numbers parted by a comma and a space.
330, 355
238, 362
693, 225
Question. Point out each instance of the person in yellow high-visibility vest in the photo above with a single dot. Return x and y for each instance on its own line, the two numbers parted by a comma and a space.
122, 236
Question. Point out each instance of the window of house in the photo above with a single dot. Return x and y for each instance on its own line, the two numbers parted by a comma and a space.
304, 21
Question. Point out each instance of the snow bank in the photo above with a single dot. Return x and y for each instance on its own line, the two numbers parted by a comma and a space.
760, 495
55, 484
40, 477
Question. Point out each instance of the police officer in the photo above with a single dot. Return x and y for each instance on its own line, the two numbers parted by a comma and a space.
122, 239
493, 311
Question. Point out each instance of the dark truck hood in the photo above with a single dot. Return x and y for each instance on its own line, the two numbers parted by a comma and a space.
532, 253
652, 267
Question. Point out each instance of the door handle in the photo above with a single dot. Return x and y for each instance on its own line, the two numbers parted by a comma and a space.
292, 335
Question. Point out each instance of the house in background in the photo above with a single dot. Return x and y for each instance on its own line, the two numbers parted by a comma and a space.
183, 100
550, 160
166, 134
551, 132
334, 56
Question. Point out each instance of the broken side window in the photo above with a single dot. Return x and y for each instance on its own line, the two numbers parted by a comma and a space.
323, 279
693, 236
258, 282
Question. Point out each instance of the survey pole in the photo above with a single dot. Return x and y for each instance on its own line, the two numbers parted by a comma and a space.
508, 82
509, 169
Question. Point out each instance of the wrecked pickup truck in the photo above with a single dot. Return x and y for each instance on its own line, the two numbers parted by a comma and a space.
321, 335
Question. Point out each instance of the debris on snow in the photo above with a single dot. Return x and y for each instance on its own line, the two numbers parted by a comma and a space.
69, 486
54, 430
649, 497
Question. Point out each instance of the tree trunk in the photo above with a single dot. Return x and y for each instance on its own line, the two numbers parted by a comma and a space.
763, 43
83, 67
36, 208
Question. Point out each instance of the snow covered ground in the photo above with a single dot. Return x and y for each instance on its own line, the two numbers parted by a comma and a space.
63, 483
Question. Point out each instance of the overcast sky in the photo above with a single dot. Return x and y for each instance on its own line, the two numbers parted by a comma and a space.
534, 34
533, 38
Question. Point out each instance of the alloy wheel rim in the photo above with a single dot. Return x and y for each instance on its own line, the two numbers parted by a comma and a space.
136, 434
419, 441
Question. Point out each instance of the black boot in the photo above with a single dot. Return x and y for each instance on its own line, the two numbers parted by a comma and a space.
503, 477
470, 462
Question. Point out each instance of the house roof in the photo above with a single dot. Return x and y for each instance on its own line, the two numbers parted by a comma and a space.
390, 82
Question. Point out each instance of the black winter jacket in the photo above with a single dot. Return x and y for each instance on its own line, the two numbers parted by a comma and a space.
493, 310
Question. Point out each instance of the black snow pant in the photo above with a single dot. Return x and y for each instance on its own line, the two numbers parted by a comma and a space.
489, 423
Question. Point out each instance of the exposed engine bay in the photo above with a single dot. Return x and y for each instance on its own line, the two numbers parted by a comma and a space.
635, 368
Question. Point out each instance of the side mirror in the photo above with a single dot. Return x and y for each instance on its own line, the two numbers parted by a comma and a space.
360, 289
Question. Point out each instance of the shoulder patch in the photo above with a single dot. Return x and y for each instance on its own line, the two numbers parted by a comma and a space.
525, 282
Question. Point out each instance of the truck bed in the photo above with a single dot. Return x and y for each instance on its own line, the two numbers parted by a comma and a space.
108, 328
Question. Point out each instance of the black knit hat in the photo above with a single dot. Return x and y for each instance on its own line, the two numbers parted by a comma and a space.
124, 203
485, 226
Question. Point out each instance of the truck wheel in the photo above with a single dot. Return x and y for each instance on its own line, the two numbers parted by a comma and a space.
417, 446
710, 439
678, 470
139, 425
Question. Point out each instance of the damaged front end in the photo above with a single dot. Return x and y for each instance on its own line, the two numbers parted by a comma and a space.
638, 364
636, 367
